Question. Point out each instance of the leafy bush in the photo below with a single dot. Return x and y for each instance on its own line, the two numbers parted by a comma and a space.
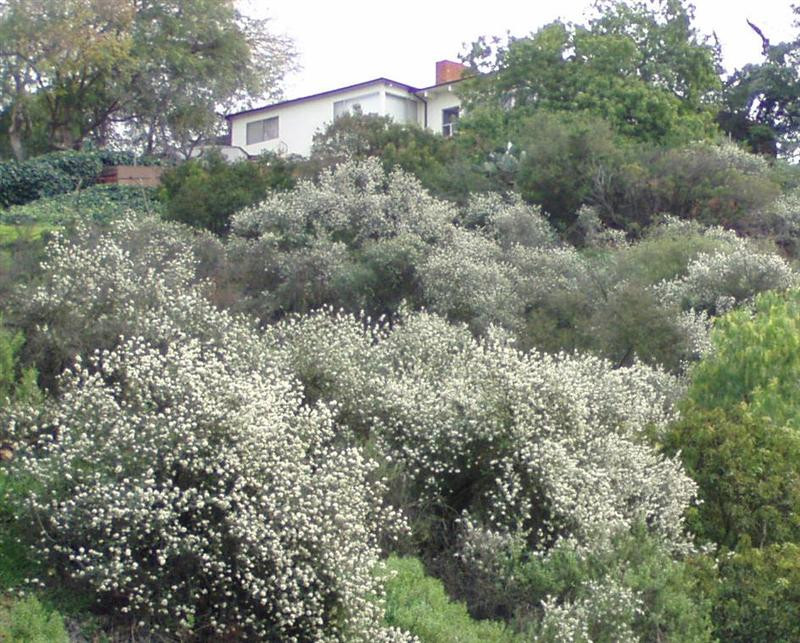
418, 604
714, 183
759, 595
27, 621
560, 155
442, 165
15, 382
100, 203
205, 193
740, 434
28, 181
756, 361
747, 468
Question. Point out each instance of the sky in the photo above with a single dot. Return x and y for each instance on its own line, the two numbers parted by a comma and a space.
350, 41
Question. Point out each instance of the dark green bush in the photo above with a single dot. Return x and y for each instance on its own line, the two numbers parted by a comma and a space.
31, 180
748, 471
715, 184
759, 595
205, 192
57, 172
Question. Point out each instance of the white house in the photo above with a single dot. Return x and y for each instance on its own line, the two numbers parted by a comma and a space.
289, 126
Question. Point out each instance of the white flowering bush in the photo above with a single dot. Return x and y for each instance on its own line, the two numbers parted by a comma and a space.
550, 444
509, 220
95, 288
716, 281
469, 281
352, 202
528, 450
179, 476
199, 497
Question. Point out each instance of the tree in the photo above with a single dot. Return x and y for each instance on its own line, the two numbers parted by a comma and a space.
160, 69
647, 71
763, 100
70, 58
192, 59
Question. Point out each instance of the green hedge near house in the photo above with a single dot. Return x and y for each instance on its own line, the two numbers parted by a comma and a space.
58, 172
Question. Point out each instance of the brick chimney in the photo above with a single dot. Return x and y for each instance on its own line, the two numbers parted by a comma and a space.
447, 71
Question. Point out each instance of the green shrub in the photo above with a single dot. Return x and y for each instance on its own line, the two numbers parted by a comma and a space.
15, 382
205, 192
759, 595
28, 621
756, 362
419, 604
99, 203
633, 588
21, 182
714, 183
747, 468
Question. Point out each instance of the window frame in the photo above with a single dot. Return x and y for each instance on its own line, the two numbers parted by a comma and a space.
262, 135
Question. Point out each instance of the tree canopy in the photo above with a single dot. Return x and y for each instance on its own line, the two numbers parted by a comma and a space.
156, 72
644, 69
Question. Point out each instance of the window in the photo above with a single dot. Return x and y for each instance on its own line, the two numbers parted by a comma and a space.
449, 120
264, 130
367, 102
402, 110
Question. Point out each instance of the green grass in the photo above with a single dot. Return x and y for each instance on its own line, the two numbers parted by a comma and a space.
418, 604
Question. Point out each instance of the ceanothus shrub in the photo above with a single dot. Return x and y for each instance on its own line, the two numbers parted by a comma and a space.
352, 202
488, 444
736, 272
203, 498
552, 444
178, 474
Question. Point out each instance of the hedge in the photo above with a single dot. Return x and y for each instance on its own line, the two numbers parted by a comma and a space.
58, 172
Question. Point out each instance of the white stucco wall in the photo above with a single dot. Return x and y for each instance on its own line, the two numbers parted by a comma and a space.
439, 99
298, 121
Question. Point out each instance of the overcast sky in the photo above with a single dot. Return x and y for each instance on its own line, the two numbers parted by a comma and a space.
350, 41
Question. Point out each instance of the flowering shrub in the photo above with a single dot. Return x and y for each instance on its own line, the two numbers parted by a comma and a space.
550, 444
545, 451
510, 220
717, 281
202, 497
352, 202
468, 280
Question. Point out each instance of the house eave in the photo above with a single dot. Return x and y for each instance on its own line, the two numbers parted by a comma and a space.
331, 92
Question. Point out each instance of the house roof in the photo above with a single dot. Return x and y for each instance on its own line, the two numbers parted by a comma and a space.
386, 81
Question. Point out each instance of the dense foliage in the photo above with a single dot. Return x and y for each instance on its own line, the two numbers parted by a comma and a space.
161, 69
535, 382
207, 191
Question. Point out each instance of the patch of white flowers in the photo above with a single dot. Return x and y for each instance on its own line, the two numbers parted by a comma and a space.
550, 445
715, 281
180, 476
353, 202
